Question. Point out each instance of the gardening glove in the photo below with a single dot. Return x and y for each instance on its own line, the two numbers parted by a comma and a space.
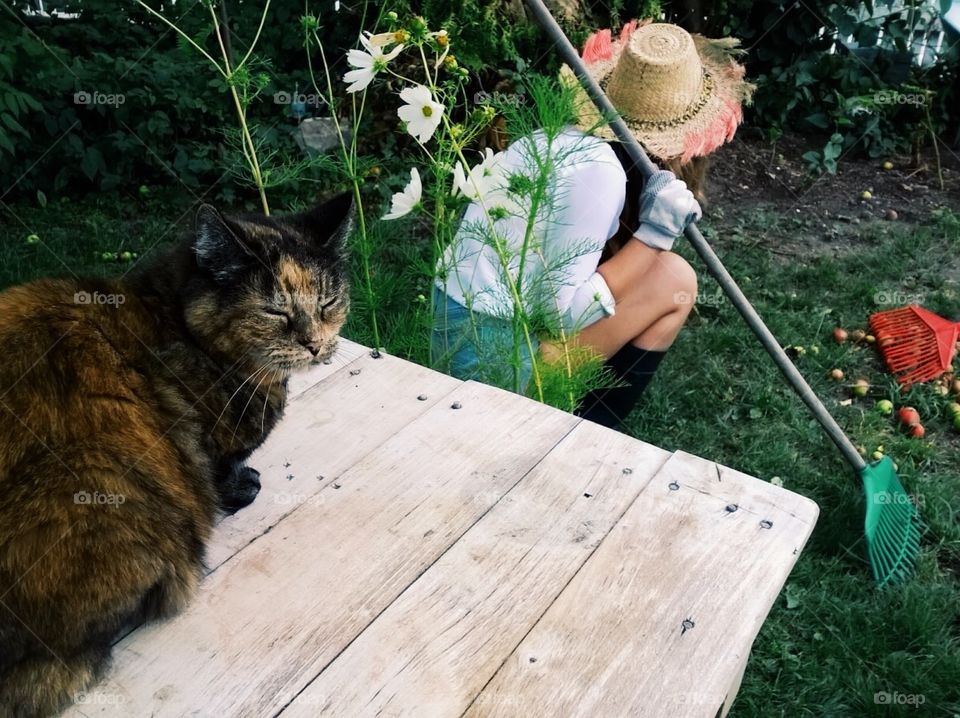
666, 208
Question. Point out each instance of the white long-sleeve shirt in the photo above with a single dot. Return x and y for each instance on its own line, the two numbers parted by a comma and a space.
586, 194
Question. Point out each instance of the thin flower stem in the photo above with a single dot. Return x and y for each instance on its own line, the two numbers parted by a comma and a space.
350, 161
184, 36
251, 154
256, 37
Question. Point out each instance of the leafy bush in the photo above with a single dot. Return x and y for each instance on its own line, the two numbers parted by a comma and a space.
869, 99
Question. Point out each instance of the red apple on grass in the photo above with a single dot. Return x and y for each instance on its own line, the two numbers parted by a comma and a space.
908, 416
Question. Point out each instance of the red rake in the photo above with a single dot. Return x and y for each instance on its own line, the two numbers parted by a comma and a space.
916, 344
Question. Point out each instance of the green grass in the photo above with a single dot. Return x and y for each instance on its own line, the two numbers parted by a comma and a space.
832, 641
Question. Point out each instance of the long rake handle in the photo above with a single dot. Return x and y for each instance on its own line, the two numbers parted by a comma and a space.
692, 233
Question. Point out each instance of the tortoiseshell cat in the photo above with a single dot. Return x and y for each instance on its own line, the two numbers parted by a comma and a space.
129, 408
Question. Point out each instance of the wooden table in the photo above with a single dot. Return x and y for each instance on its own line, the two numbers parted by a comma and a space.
409, 558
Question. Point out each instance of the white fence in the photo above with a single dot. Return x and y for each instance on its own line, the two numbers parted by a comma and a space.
927, 41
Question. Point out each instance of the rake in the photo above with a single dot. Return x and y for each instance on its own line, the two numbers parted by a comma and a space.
916, 344
892, 524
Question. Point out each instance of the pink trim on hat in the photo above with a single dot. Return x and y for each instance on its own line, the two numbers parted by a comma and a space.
598, 46
698, 144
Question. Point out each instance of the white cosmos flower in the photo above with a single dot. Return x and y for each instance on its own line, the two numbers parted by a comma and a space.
421, 113
402, 203
367, 64
487, 181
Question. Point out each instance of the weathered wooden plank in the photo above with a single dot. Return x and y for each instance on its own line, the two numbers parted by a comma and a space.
660, 618
437, 645
325, 430
346, 352
268, 620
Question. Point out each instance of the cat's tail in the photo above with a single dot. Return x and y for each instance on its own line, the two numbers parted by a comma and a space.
42, 685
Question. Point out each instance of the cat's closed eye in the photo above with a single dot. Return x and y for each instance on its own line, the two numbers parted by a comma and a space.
278, 313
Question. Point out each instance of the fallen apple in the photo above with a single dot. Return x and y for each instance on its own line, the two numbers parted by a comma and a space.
917, 431
908, 415
858, 335
870, 339
885, 407
953, 408
876, 455
861, 387
955, 387
840, 335
888, 165
836, 374
866, 194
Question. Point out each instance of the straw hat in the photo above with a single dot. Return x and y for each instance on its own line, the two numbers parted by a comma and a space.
680, 94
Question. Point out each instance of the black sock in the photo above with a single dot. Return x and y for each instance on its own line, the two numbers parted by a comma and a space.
633, 368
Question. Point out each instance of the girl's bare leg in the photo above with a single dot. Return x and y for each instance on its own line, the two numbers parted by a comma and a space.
654, 291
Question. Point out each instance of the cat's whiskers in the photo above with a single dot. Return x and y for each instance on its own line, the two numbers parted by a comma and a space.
252, 394
237, 391
266, 398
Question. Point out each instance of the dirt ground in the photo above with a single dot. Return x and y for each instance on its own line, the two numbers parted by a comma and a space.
824, 214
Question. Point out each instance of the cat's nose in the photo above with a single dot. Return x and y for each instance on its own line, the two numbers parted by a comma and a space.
311, 346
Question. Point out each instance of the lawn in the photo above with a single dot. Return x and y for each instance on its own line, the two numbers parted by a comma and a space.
833, 645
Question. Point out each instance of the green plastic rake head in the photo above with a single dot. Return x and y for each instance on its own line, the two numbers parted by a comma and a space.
892, 525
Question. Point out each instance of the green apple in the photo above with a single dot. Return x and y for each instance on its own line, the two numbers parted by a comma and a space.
885, 407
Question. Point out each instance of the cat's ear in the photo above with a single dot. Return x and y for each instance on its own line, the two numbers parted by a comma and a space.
329, 224
221, 246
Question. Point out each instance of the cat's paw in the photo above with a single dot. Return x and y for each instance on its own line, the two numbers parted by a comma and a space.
240, 489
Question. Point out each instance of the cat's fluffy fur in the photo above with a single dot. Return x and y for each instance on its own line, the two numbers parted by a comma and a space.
129, 408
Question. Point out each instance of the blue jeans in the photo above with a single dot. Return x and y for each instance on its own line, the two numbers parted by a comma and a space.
473, 345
